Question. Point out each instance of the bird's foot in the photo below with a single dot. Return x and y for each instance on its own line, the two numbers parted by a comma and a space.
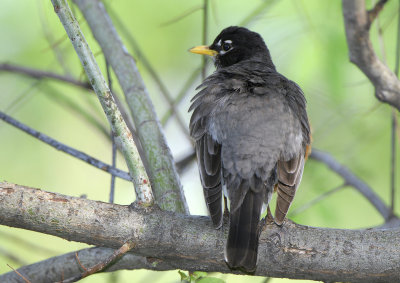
269, 217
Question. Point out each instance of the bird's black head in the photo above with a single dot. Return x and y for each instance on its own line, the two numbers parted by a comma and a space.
235, 44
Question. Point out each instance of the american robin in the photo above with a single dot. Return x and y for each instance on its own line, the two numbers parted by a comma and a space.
252, 135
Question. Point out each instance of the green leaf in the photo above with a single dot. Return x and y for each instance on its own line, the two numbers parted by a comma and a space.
184, 276
198, 274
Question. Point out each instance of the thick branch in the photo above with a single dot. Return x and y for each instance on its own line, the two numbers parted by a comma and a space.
357, 21
165, 181
123, 137
191, 243
66, 266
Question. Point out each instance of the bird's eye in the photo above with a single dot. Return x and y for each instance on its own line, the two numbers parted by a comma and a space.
226, 46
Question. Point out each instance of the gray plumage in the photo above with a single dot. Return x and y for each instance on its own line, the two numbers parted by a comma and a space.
251, 131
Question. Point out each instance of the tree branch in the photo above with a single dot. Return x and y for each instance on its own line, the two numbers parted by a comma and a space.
102, 265
182, 94
66, 149
165, 181
50, 270
152, 72
38, 74
352, 180
357, 22
374, 12
123, 137
191, 242
349, 178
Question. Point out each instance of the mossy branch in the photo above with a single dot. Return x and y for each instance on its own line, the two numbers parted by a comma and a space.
123, 136
165, 182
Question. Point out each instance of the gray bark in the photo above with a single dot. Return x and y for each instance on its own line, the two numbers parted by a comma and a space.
165, 182
66, 266
191, 243
361, 53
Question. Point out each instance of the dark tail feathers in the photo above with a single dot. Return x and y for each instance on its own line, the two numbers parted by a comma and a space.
242, 245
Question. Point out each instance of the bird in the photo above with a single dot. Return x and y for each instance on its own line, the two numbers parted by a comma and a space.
252, 137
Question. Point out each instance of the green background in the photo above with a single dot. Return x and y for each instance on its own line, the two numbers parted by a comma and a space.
307, 43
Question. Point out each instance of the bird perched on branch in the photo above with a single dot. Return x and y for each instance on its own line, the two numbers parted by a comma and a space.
252, 135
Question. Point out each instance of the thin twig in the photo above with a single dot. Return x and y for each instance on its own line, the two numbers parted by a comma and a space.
113, 145
67, 102
38, 74
182, 94
204, 59
394, 123
64, 148
123, 136
354, 181
48, 34
185, 161
113, 164
153, 73
181, 16
392, 120
393, 159
374, 12
19, 274
79, 262
101, 265
260, 9
26, 94
316, 200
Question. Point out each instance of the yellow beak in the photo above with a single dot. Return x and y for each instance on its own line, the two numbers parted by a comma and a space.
203, 49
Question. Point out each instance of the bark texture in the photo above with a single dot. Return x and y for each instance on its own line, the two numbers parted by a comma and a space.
357, 23
165, 182
191, 242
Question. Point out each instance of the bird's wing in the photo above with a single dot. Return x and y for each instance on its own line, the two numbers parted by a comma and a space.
289, 177
209, 162
208, 152
290, 170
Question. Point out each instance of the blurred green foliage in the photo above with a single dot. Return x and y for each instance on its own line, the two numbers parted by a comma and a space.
307, 43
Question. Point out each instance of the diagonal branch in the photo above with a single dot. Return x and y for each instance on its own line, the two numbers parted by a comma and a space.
50, 270
352, 180
123, 137
100, 266
191, 242
38, 74
152, 72
316, 200
66, 149
374, 12
182, 94
164, 179
357, 22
